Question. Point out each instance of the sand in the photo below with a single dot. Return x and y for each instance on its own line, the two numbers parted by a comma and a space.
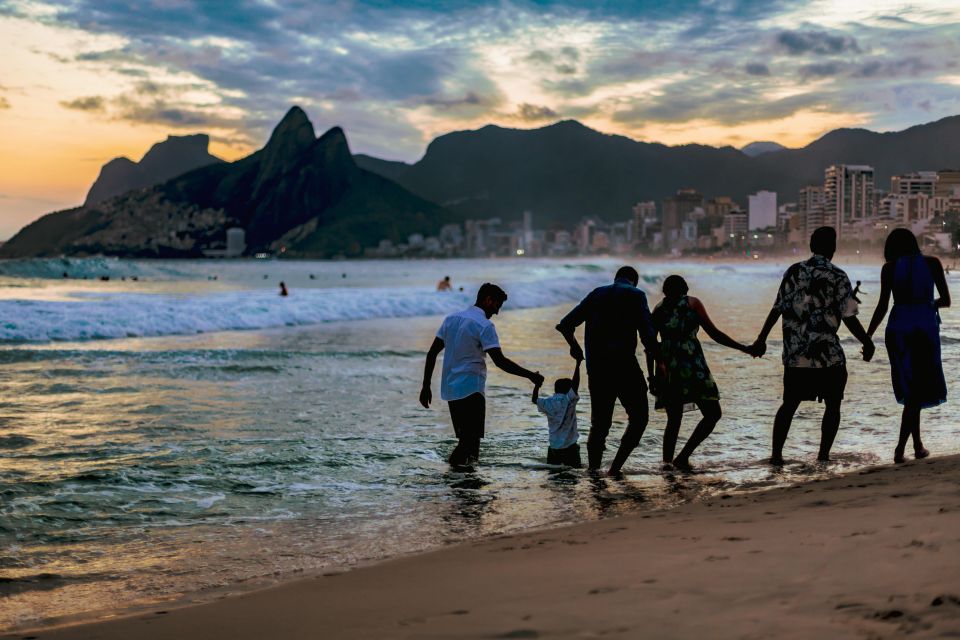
873, 554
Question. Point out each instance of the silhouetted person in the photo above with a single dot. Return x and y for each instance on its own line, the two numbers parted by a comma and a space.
815, 296
614, 314
444, 285
913, 332
687, 380
283, 289
467, 336
66, 275
561, 412
856, 293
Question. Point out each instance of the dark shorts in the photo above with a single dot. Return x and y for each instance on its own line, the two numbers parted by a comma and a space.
809, 383
468, 416
569, 456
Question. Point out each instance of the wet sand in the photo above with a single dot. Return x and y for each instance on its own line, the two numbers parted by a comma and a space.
872, 554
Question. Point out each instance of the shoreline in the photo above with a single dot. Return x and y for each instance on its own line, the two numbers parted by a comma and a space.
871, 552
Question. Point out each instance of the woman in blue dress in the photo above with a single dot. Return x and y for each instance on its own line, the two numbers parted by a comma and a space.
913, 332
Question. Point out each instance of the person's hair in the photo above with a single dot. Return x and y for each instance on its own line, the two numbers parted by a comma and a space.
628, 273
562, 385
900, 242
488, 289
675, 287
446, 277
823, 241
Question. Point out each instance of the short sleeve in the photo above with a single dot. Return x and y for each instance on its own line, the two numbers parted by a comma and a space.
489, 338
542, 405
846, 303
442, 331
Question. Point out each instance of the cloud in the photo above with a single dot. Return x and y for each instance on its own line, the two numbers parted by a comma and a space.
533, 113
819, 70
89, 103
4, 103
816, 42
757, 69
909, 66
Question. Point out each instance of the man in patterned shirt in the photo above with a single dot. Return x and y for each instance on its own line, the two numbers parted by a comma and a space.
814, 298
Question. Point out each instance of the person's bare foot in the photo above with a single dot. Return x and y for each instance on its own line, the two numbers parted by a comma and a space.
615, 473
776, 461
682, 465
921, 453
898, 455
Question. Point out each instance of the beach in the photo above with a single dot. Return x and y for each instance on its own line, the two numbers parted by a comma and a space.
871, 554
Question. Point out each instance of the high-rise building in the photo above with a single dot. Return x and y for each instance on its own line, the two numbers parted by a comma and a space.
719, 206
762, 210
848, 196
908, 184
644, 218
675, 212
948, 183
810, 207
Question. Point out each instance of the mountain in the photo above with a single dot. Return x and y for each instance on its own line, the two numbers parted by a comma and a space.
566, 170
755, 149
299, 192
168, 159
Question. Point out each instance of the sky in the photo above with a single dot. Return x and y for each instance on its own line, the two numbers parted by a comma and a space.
84, 81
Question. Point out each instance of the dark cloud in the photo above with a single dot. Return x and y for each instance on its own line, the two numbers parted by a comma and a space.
89, 103
816, 42
820, 70
532, 113
565, 69
757, 69
909, 66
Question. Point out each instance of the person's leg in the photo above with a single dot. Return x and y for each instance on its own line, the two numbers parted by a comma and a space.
711, 416
829, 427
468, 416
672, 430
602, 397
781, 427
632, 392
909, 425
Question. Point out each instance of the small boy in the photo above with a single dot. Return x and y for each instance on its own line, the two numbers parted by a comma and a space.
561, 412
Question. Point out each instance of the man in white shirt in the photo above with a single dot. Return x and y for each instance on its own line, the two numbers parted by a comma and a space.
468, 336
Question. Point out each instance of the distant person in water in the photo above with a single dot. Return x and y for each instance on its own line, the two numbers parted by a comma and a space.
561, 412
444, 285
614, 315
468, 337
815, 296
283, 289
687, 381
913, 332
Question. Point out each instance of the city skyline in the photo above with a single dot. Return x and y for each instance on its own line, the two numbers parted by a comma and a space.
86, 82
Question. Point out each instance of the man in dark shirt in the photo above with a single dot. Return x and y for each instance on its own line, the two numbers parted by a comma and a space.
614, 315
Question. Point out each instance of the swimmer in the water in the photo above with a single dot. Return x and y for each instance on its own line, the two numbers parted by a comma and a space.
283, 289
444, 285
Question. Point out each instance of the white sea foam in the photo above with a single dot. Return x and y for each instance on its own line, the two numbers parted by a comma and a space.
120, 315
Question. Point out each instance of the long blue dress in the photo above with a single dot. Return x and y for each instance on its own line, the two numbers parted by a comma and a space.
913, 336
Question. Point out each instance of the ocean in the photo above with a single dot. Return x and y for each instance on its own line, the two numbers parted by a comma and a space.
181, 431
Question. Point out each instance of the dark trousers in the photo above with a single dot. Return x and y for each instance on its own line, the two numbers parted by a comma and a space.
468, 415
623, 382
569, 456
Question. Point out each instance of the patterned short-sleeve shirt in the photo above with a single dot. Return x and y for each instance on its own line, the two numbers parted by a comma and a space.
814, 297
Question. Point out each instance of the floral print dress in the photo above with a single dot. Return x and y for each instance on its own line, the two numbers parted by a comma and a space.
688, 376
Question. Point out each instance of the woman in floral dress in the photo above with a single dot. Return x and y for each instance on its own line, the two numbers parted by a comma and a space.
688, 382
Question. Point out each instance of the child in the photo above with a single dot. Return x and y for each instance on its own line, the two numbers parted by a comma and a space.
561, 411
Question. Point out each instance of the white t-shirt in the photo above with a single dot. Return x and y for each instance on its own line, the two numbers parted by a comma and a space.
466, 336
561, 412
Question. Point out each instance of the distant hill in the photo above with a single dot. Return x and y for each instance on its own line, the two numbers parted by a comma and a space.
168, 159
755, 149
566, 170
299, 192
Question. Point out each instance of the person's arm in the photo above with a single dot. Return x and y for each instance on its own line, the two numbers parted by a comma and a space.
568, 327
848, 310
576, 377
886, 277
718, 336
853, 324
536, 393
426, 396
506, 364
759, 347
940, 280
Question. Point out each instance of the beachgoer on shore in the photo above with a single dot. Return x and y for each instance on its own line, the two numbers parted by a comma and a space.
445, 285
283, 289
913, 332
614, 315
468, 336
561, 412
687, 382
815, 296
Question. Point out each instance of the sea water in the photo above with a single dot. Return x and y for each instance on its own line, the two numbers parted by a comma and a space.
180, 429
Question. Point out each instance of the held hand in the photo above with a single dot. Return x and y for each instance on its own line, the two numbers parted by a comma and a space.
868, 350
537, 379
576, 352
426, 397
757, 349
